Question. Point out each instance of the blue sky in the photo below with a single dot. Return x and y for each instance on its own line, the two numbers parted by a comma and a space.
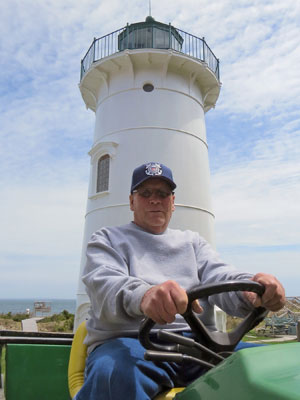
46, 133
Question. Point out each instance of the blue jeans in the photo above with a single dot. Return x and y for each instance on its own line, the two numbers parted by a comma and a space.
117, 370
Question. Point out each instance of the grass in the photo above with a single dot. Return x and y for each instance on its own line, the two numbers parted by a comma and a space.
7, 324
253, 337
3, 359
62, 322
15, 317
2, 362
255, 334
256, 338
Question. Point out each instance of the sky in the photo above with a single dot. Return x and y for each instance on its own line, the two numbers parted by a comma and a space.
46, 132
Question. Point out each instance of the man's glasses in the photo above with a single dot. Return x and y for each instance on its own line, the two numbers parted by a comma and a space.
147, 193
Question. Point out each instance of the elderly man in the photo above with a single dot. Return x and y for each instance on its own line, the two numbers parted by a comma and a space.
144, 269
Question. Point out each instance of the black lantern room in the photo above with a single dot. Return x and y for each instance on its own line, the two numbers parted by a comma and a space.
150, 34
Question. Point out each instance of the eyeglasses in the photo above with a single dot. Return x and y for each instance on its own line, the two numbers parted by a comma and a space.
147, 193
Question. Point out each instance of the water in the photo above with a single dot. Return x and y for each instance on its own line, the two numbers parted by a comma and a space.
21, 305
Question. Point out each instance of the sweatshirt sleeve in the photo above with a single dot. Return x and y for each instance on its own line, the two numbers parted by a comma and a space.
115, 296
212, 269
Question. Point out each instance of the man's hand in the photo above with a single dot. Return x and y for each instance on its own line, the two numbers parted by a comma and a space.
273, 298
162, 302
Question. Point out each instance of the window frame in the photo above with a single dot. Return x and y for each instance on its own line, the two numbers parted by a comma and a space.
103, 167
99, 151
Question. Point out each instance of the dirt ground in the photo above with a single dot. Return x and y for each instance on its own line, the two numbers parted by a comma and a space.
10, 325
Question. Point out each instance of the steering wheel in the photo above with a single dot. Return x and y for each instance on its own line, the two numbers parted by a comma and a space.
209, 345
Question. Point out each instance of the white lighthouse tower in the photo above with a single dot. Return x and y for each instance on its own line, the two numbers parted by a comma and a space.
150, 85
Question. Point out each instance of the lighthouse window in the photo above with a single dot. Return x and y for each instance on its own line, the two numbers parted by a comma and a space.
148, 87
103, 173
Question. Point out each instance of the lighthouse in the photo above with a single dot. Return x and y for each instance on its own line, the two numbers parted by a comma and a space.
150, 85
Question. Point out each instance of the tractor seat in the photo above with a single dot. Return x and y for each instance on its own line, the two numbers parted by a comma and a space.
77, 365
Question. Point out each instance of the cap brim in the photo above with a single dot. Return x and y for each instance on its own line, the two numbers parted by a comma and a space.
171, 183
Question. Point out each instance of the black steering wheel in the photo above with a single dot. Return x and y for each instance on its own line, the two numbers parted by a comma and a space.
209, 346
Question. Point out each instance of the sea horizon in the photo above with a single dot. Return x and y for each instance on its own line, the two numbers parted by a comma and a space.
21, 305
37, 298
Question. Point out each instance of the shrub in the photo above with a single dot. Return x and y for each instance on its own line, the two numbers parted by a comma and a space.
19, 317
62, 322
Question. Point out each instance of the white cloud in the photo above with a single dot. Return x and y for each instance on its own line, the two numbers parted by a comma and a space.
46, 131
260, 72
41, 244
283, 264
42, 220
257, 208
257, 201
40, 277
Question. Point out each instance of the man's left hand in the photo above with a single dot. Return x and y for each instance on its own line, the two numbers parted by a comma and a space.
273, 298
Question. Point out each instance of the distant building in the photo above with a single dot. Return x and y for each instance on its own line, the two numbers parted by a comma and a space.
41, 308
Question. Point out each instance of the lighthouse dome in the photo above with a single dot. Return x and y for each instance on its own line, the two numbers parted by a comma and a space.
150, 19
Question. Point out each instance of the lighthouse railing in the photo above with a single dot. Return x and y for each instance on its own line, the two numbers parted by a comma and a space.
150, 37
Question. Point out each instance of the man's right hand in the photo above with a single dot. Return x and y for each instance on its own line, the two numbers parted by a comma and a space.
162, 302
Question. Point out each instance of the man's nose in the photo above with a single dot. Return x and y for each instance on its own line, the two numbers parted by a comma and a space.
154, 198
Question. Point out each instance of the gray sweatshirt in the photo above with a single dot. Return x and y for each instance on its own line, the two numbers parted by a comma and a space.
124, 262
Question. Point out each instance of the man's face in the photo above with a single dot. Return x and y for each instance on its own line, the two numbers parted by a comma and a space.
152, 213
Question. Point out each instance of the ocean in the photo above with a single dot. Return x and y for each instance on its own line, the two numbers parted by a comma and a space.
21, 305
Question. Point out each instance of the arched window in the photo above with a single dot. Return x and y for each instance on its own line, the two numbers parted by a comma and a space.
103, 173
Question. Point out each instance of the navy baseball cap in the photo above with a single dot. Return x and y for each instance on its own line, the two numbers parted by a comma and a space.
151, 170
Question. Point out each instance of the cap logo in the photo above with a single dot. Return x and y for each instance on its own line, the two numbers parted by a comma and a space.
153, 169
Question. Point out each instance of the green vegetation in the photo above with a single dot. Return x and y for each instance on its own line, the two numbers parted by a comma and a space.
8, 324
15, 317
3, 359
63, 322
254, 336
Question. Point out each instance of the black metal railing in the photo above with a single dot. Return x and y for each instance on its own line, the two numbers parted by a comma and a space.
138, 37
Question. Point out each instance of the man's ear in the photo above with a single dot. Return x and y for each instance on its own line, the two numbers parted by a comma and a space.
173, 205
131, 202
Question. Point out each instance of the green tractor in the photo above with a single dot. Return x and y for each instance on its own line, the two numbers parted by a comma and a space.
265, 372
54, 369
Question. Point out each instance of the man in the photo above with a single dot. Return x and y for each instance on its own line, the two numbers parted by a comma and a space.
144, 269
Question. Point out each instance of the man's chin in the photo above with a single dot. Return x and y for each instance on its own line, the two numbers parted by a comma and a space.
157, 223
157, 220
